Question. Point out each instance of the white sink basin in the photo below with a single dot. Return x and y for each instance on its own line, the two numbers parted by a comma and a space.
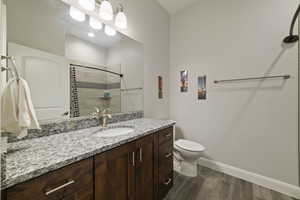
114, 132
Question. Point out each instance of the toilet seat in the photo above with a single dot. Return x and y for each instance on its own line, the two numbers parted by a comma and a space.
189, 145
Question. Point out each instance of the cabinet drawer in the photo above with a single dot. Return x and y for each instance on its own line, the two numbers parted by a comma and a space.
74, 182
166, 151
165, 135
165, 171
165, 184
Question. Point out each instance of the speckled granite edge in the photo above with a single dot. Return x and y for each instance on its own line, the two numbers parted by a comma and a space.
67, 125
45, 168
3, 166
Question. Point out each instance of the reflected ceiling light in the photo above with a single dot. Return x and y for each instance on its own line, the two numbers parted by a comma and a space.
77, 14
110, 31
121, 19
106, 10
95, 24
91, 35
87, 4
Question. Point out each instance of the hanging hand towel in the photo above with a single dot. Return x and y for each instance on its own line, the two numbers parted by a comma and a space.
17, 111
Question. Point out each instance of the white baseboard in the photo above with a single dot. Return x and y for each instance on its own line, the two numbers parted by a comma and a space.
273, 184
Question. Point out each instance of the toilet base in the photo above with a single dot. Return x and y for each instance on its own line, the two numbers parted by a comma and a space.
186, 168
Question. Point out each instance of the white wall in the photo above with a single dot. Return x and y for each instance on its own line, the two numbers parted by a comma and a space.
148, 23
249, 125
84, 51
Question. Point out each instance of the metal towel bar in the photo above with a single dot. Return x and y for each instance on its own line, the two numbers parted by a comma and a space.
130, 89
252, 78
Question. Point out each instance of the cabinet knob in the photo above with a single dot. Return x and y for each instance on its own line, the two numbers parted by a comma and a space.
168, 181
168, 155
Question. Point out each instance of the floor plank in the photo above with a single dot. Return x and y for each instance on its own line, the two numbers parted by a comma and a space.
213, 185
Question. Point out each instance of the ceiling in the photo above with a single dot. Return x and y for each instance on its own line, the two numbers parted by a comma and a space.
173, 6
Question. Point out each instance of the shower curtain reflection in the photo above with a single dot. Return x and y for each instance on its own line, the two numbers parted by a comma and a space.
93, 88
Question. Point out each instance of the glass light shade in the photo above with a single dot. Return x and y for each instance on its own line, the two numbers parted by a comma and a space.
121, 20
87, 4
106, 10
77, 14
95, 24
110, 31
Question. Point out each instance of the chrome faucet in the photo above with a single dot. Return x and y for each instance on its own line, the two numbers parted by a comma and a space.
102, 115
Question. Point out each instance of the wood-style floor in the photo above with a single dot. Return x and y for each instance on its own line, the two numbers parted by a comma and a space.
213, 185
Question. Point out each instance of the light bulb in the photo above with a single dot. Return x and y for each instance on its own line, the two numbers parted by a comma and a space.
91, 35
95, 24
106, 10
77, 14
87, 4
121, 20
110, 31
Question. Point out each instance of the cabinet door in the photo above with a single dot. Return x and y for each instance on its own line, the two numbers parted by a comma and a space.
144, 168
73, 182
115, 174
163, 162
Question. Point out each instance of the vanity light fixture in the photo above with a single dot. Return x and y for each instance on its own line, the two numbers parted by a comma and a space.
76, 14
121, 19
110, 31
87, 4
106, 10
91, 34
105, 13
95, 24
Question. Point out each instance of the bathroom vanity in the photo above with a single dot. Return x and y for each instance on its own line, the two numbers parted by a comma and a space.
69, 74
80, 165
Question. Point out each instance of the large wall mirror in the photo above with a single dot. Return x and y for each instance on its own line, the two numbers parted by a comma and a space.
70, 67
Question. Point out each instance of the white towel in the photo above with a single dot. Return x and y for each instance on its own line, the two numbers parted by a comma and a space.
17, 111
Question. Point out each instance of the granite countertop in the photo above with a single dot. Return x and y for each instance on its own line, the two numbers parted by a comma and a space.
31, 158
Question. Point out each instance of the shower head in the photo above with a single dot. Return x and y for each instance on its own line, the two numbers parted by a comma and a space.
292, 38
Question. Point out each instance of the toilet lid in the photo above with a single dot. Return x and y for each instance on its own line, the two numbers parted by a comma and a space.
189, 145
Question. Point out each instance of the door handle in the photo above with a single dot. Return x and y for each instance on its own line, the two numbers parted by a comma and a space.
133, 159
168, 181
141, 154
65, 113
50, 191
168, 155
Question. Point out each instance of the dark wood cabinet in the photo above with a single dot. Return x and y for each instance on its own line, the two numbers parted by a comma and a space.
73, 182
144, 169
115, 174
139, 170
125, 173
163, 163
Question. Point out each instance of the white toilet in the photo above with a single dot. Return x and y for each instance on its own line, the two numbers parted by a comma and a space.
187, 154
